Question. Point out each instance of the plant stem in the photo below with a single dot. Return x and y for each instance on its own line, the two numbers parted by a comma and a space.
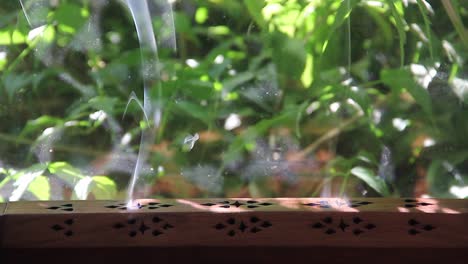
329, 135
456, 21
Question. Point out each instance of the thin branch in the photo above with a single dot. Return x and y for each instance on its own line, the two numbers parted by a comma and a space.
456, 21
329, 135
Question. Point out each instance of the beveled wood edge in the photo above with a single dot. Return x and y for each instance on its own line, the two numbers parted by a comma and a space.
296, 222
229, 205
2, 208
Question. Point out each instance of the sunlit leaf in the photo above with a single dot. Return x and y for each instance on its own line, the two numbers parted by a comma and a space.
24, 178
103, 188
11, 37
66, 172
255, 10
399, 79
201, 15
341, 15
70, 17
369, 177
40, 188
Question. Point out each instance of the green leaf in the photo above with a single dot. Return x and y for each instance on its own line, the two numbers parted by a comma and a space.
5, 181
341, 15
11, 37
14, 82
371, 179
40, 123
400, 26
237, 80
102, 187
399, 79
70, 17
66, 172
289, 55
106, 104
201, 15
241, 142
24, 179
255, 10
40, 187
427, 25
197, 111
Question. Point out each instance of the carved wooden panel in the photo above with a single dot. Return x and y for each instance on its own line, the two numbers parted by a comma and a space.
237, 222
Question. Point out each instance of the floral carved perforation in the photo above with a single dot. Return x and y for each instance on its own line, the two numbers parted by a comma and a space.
139, 226
65, 227
138, 206
233, 226
246, 204
412, 203
337, 204
416, 227
331, 226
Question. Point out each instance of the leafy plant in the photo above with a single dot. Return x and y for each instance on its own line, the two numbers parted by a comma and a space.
260, 98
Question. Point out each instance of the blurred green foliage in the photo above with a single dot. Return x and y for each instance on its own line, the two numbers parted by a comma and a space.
260, 98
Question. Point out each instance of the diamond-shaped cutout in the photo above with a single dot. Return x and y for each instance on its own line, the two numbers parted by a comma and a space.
242, 226
357, 220
220, 226
118, 226
167, 226
318, 225
357, 232
254, 219
57, 227
255, 230
428, 227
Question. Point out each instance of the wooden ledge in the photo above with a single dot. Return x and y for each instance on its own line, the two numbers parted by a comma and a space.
292, 222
